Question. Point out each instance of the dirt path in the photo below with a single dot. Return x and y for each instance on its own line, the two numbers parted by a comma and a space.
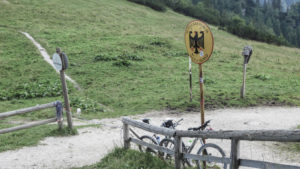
93, 143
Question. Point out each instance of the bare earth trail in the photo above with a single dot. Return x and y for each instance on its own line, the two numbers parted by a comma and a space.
94, 143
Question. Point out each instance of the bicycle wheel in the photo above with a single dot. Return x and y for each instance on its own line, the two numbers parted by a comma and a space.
167, 143
211, 150
149, 140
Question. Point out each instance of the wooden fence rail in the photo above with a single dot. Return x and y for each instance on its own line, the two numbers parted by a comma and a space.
58, 118
234, 135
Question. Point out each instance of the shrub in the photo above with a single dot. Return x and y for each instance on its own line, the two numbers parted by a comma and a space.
154, 4
103, 57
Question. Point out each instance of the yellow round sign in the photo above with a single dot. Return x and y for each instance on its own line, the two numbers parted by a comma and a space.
199, 41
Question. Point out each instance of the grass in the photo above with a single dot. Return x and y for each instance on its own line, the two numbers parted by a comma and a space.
135, 63
130, 59
30, 137
130, 159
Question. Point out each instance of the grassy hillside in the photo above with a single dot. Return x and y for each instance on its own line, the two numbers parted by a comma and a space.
132, 59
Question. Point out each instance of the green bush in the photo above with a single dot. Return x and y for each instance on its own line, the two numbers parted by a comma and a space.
154, 4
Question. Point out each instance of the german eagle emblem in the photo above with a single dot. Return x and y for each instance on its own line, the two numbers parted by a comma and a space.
196, 42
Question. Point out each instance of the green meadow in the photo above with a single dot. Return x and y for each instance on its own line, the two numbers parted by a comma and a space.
129, 59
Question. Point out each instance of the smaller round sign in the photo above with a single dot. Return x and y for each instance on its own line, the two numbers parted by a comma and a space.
57, 61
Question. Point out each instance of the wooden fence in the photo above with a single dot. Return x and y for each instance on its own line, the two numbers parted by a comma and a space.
58, 117
234, 135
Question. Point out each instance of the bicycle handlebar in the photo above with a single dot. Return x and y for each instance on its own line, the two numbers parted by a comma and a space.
202, 127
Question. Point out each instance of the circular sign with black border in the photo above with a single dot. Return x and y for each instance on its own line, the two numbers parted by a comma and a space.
199, 41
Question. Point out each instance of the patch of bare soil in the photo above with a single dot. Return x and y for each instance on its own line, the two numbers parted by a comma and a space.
94, 143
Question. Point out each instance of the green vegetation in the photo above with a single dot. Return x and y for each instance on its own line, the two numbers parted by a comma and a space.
129, 58
130, 159
131, 64
245, 18
29, 137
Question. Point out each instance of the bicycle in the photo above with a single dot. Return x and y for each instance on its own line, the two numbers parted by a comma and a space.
205, 149
155, 139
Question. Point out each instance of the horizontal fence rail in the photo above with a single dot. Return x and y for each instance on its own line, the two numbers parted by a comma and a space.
234, 135
27, 110
28, 125
58, 118
248, 135
147, 127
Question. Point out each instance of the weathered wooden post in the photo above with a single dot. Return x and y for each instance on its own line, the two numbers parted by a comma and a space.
178, 156
126, 136
247, 52
60, 61
190, 72
235, 153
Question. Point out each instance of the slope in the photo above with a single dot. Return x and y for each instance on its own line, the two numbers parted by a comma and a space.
132, 58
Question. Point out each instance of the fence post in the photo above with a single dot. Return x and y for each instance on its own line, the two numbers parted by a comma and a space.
178, 152
126, 136
59, 114
235, 152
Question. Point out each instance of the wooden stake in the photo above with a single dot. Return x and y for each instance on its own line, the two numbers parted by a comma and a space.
66, 99
190, 71
243, 89
201, 94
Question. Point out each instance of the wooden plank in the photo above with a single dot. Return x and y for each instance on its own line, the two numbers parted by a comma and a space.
126, 136
66, 99
28, 125
250, 135
153, 146
265, 165
148, 127
235, 153
178, 152
26, 110
207, 158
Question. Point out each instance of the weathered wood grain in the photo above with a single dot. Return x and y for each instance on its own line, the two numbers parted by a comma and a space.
250, 135
235, 153
265, 165
207, 158
178, 152
28, 125
26, 110
152, 146
148, 127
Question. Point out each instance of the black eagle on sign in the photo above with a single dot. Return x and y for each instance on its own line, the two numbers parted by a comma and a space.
196, 42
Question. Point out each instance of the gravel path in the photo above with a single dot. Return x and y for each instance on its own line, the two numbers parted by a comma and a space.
94, 143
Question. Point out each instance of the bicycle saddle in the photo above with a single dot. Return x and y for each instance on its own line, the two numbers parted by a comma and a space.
202, 127
146, 121
168, 123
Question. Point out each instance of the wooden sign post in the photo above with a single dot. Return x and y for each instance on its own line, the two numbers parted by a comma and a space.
247, 52
60, 61
190, 72
199, 43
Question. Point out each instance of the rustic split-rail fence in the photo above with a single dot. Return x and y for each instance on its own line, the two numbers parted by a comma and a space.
234, 161
58, 116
